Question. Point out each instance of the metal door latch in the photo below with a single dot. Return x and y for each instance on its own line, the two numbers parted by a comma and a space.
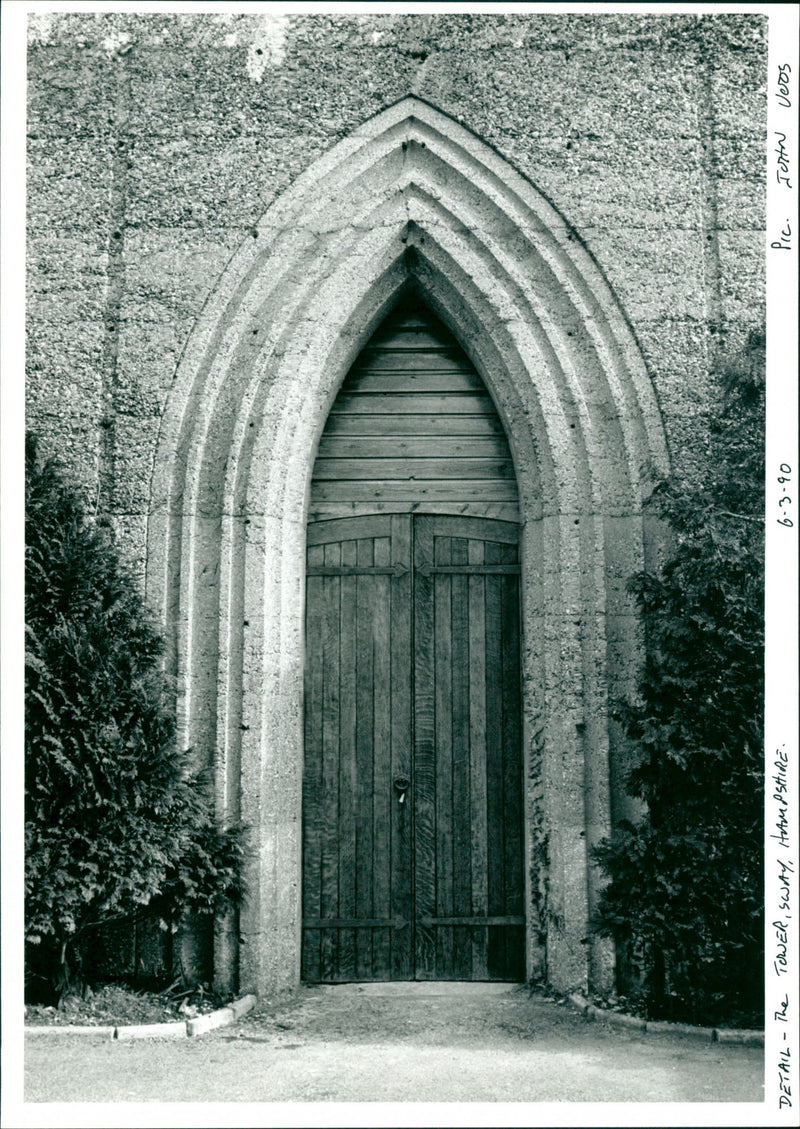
401, 786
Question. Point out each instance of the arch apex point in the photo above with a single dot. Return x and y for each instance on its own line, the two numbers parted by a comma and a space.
406, 108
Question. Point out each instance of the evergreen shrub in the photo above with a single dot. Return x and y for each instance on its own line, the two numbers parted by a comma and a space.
118, 824
685, 893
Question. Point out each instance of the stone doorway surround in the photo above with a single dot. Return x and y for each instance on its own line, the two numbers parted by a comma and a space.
410, 200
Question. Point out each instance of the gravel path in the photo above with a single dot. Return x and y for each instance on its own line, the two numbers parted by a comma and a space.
401, 1045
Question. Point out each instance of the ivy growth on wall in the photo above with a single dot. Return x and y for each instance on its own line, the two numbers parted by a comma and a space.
685, 891
117, 823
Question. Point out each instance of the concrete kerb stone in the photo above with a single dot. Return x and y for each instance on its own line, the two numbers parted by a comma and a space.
581, 1004
242, 1006
657, 1027
71, 1029
619, 1019
742, 1037
222, 1017
152, 1031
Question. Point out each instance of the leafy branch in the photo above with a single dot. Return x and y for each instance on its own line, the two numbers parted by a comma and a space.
684, 898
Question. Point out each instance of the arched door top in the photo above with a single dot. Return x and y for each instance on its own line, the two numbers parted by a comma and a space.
410, 200
413, 429
412, 194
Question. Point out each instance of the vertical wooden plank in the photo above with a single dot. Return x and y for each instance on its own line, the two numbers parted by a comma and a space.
508, 944
329, 901
382, 777
477, 747
382, 550
313, 815
515, 947
512, 765
402, 941
460, 819
443, 684
424, 755
364, 758
348, 779
494, 764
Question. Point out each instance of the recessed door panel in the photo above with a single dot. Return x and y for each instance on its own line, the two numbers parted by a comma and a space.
356, 839
468, 771
412, 789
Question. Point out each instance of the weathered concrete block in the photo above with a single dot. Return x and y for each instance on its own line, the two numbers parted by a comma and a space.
82, 84
618, 1019
61, 168
152, 1031
70, 1030
133, 442
655, 1027
743, 1038
243, 1005
202, 1023
580, 1003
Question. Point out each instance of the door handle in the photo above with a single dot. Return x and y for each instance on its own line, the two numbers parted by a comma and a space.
401, 786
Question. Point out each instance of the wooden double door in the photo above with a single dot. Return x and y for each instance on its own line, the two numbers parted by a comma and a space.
412, 793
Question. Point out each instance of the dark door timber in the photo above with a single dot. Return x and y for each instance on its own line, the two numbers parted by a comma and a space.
412, 794
413, 428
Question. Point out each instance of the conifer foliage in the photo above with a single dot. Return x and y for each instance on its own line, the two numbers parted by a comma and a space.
117, 825
685, 892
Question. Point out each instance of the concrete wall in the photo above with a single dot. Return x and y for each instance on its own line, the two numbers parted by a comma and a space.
166, 196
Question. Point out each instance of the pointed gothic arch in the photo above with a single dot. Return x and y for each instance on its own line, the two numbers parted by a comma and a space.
411, 199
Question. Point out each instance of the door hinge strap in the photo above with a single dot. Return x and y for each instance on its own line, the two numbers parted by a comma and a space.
470, 570
477, 921
356, 570
354, 923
